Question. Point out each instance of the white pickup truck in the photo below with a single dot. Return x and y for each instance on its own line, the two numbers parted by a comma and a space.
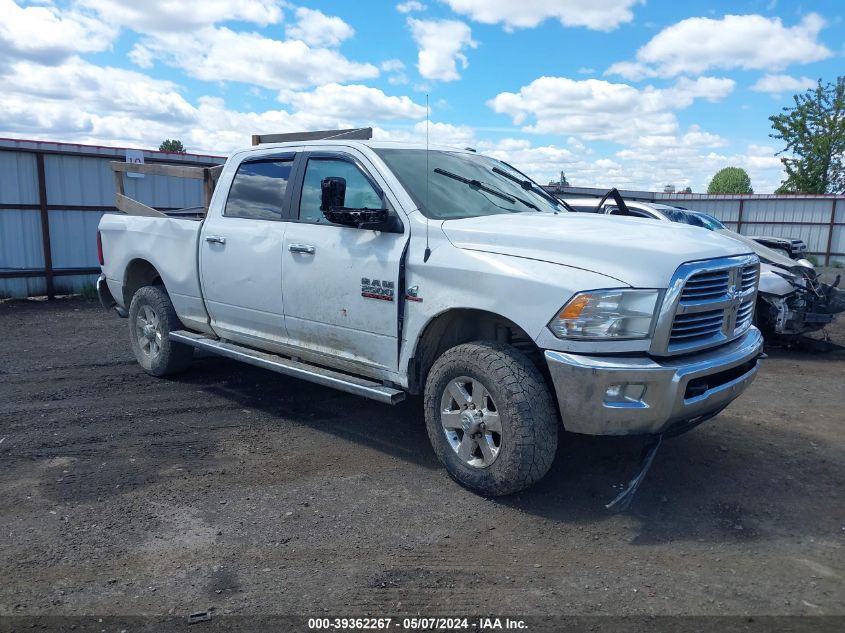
387, 269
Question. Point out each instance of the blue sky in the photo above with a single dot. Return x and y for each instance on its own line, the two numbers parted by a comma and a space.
612, 92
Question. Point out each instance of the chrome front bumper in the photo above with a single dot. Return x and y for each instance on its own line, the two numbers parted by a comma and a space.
607, 395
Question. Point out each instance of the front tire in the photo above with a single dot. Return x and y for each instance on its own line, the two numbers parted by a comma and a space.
151, 320
490, 418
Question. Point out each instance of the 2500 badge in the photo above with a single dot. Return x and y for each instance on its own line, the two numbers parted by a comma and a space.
377, 289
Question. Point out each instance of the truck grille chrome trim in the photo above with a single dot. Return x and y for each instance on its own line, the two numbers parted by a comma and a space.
707, 303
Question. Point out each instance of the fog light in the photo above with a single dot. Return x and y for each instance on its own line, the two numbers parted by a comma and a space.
624, 392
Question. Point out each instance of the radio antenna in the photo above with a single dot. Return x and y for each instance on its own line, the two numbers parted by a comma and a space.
427, 253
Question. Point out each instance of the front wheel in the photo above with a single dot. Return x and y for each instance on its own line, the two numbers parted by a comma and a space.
490, 418
151, 320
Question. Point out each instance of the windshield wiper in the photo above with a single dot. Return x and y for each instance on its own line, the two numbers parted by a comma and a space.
475, 183
533, 186
530, 185
525, 184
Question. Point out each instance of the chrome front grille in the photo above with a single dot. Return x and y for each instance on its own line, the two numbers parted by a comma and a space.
697, 325
705, 286
750, 275
744, 316
708, 303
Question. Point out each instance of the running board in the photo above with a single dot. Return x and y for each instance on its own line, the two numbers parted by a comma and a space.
281, 365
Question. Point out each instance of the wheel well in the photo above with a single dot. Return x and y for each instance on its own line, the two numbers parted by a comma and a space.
463, 326
139, 273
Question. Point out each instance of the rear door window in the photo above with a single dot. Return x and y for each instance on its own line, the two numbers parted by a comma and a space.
259, 189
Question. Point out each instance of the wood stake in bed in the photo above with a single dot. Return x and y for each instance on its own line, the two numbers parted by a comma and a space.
208, 175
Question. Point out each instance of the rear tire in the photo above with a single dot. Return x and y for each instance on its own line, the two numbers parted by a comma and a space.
490, 418
151, 320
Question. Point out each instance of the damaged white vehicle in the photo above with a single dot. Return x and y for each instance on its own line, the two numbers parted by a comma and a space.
792, 300
386, 269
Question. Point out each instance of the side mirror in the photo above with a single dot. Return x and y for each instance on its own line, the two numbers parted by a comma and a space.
333, 198
333, 193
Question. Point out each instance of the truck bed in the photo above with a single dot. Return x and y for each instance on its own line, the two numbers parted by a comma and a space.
134, 244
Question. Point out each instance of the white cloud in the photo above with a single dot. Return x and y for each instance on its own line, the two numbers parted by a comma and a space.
601, 15
141, 56
441, 45
649, 163
396, 68
181, 36
166, 15
410, 6
221, 54
48, 35
578, 145
691, 159
315, 28
594, 109
695, 45
541, 163
438, 134
776, 84
355, 102
392, 65
82, 102
761, 157
80, 98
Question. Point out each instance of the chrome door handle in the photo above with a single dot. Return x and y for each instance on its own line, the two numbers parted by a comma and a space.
215, 239
302, 248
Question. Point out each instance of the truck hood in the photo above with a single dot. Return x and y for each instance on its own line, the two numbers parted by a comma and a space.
765, 253
638, 252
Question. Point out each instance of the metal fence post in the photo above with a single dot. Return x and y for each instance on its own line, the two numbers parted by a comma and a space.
739, 219
45, 226
830, 233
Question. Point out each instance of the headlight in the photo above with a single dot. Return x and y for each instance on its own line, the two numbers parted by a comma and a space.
621, 314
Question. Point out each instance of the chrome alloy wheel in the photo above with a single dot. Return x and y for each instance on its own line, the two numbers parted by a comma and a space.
471, 422
148, 330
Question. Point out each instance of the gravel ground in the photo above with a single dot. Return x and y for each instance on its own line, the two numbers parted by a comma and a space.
252, 493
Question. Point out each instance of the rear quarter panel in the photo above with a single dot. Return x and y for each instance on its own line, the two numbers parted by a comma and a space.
170, 246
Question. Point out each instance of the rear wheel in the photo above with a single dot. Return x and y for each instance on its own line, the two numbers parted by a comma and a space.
151, 320
490, 418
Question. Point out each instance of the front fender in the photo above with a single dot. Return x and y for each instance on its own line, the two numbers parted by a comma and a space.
773, 284
527, 292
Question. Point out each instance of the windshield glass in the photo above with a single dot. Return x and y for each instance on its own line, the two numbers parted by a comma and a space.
683, 216
711, 222
464, 185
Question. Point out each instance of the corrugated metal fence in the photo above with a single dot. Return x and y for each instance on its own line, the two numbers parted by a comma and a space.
52, 196
818, 220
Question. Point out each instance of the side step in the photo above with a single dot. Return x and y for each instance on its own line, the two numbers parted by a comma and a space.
297, 369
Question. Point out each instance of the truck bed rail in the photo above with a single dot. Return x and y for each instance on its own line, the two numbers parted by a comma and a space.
130, 206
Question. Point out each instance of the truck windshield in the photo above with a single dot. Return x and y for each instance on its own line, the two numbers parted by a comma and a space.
463, 185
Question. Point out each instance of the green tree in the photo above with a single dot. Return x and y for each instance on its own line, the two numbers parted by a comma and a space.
814, 133
172, 145
730, 180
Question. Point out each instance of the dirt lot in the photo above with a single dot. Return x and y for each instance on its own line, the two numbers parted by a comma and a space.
235, 488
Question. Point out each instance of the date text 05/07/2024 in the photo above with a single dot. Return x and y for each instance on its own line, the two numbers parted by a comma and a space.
418, 624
